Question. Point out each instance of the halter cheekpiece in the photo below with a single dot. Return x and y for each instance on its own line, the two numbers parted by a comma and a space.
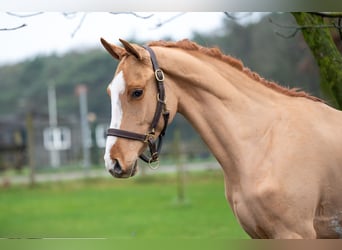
154, 145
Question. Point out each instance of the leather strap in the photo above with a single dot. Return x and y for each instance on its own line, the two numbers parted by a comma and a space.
159, 75
126, 134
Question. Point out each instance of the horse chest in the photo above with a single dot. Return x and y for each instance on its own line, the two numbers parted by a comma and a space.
242, 212
245, 215
257, 209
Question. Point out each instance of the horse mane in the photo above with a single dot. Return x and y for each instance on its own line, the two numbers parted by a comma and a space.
216, 53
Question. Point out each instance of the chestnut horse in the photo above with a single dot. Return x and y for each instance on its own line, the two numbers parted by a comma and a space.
280, 150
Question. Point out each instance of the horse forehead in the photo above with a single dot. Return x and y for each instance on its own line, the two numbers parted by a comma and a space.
134, 71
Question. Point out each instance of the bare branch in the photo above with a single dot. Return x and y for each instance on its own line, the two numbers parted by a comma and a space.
70, 15
79, 25
282, 26
160, 24
299, 28
24, 16
230, 16
132, 13
338, 15
14, 28
328, 14
237, 16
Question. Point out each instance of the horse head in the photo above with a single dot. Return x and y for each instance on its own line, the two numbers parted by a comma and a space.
138, 112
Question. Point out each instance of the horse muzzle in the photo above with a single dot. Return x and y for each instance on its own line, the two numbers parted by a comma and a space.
118, 171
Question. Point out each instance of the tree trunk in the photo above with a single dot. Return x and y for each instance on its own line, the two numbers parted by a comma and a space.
326, 54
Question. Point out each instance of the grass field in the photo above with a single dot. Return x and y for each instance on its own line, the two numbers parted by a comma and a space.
141, 207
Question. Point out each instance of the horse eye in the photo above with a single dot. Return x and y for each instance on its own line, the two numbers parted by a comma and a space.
137, 93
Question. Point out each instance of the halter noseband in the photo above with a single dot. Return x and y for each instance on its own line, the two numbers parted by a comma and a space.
154, 145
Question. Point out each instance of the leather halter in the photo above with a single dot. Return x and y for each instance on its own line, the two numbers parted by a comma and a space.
154, 145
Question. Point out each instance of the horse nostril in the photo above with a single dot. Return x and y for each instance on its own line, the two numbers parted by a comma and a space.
117, 170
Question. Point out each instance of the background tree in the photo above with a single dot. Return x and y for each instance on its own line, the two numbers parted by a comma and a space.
318, 36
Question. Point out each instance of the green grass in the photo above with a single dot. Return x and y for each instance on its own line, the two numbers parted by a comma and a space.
140, 207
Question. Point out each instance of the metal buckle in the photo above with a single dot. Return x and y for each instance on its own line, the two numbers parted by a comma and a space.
149, 137
160, 100
155, 165
159, 74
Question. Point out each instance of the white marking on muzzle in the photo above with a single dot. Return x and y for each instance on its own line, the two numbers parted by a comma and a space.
116, 87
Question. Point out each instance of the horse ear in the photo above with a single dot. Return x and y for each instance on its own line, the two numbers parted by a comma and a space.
116, 51
132, 49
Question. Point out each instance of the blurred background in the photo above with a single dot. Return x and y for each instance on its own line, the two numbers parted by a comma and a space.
54, 68
54, 113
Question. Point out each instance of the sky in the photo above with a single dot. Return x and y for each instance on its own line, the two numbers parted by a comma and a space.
53, 32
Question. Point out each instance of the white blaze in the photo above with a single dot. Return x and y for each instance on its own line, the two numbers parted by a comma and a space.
116, 87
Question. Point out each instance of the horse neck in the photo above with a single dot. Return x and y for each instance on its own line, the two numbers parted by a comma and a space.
229, 109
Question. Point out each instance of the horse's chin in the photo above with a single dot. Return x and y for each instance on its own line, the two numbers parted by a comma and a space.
129, 172
134, 169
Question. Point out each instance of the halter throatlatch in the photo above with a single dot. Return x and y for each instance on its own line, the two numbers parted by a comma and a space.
153, 144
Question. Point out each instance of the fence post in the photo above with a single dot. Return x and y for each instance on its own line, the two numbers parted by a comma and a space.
180, 166
30, 147
81, 91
